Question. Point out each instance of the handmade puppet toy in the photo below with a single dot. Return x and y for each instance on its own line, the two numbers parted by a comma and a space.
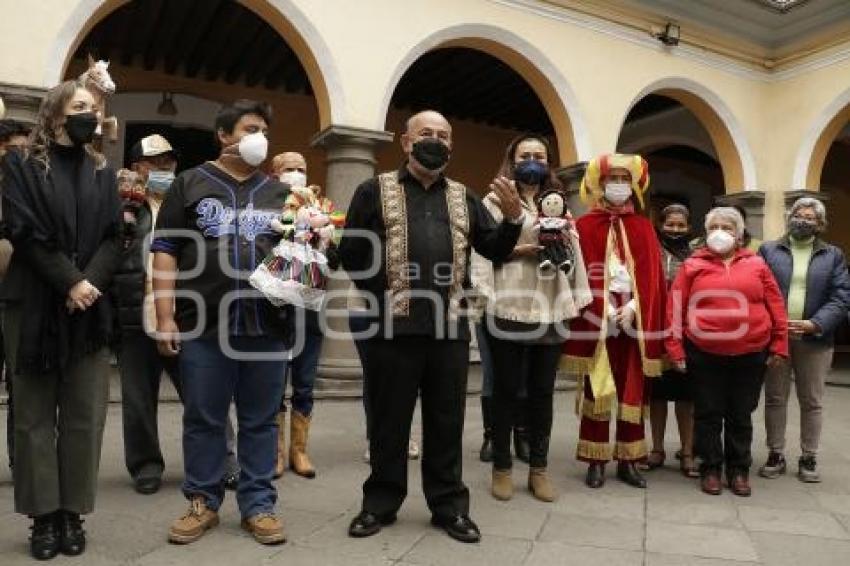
554, 222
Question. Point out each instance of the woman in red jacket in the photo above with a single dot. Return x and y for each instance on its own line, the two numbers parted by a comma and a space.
727, 324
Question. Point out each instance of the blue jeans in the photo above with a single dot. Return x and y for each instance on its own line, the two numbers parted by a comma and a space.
211, 380
303, 368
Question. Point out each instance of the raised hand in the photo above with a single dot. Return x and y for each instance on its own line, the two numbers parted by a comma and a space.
508, 202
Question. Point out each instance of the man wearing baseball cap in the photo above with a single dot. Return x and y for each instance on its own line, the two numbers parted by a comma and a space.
154, 161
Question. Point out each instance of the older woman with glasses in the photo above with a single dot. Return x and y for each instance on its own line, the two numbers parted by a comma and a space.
728, 324
812, 275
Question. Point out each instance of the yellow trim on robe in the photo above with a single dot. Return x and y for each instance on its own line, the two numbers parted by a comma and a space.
593, 450
587, 411
630, 451
630, 413
574, 365
601, 376
651, 368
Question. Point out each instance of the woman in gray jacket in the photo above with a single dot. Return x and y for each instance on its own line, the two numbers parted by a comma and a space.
812, 275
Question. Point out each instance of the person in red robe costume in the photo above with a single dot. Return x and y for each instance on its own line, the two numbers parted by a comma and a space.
618, 340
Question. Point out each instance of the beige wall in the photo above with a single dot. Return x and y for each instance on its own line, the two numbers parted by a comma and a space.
596, 75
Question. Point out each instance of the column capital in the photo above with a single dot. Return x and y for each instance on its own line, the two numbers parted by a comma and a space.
336, 135
753, 204
742, 198
792, 196
571, 176
22, 102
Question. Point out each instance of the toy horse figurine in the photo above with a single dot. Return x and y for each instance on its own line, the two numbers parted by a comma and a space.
98, 82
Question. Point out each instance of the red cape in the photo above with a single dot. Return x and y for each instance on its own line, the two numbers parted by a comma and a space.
645, 265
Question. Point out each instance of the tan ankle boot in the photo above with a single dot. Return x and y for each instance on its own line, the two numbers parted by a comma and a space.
280, 463
540, 485
298, 460
192, 525
503, 485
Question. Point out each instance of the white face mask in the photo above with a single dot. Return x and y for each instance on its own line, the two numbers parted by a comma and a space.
253, 148
720, 241
617, 193
294, 178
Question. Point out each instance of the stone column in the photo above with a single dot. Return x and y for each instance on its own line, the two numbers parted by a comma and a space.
350, 161
21, 102
753, 204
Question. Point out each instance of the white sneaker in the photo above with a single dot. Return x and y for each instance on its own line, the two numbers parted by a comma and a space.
367, 456
412, 450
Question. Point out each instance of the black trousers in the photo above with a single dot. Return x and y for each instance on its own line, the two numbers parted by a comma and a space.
141, 367
726, 392
513, 363
399, 369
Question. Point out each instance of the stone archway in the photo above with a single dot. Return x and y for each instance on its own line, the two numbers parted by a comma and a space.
283, 15
730, 145
811, 157
548, 83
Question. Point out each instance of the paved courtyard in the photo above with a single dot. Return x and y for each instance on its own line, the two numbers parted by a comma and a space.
670, 523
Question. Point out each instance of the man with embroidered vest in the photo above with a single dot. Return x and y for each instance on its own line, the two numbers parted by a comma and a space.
213, 229
425, 225
618, 340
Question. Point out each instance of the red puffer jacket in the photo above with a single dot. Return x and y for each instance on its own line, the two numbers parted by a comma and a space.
726, 310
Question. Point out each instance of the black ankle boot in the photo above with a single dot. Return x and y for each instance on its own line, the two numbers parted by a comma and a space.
486, 453
595, 475
628, 473
72, 534
44, 541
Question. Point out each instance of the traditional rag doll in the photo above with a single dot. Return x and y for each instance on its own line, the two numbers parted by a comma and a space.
297, 269
554, 223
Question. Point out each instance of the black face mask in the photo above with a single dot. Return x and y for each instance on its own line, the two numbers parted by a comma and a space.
674, 237
431, 153
802, 229
80, 127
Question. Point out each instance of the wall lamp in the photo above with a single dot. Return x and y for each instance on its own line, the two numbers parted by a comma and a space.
669, 36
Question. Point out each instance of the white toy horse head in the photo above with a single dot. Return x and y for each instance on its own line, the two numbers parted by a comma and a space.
98, 75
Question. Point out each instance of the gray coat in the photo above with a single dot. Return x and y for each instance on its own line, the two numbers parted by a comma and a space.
827, 283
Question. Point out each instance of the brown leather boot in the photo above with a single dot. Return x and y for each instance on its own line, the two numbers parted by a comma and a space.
503, 485
298, 460
739, 483
280, 463
540, 485
710, 482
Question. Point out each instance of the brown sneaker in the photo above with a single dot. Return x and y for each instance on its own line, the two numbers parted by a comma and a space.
193, 524
266, 528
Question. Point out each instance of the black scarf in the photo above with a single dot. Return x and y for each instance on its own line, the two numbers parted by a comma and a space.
71, 208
